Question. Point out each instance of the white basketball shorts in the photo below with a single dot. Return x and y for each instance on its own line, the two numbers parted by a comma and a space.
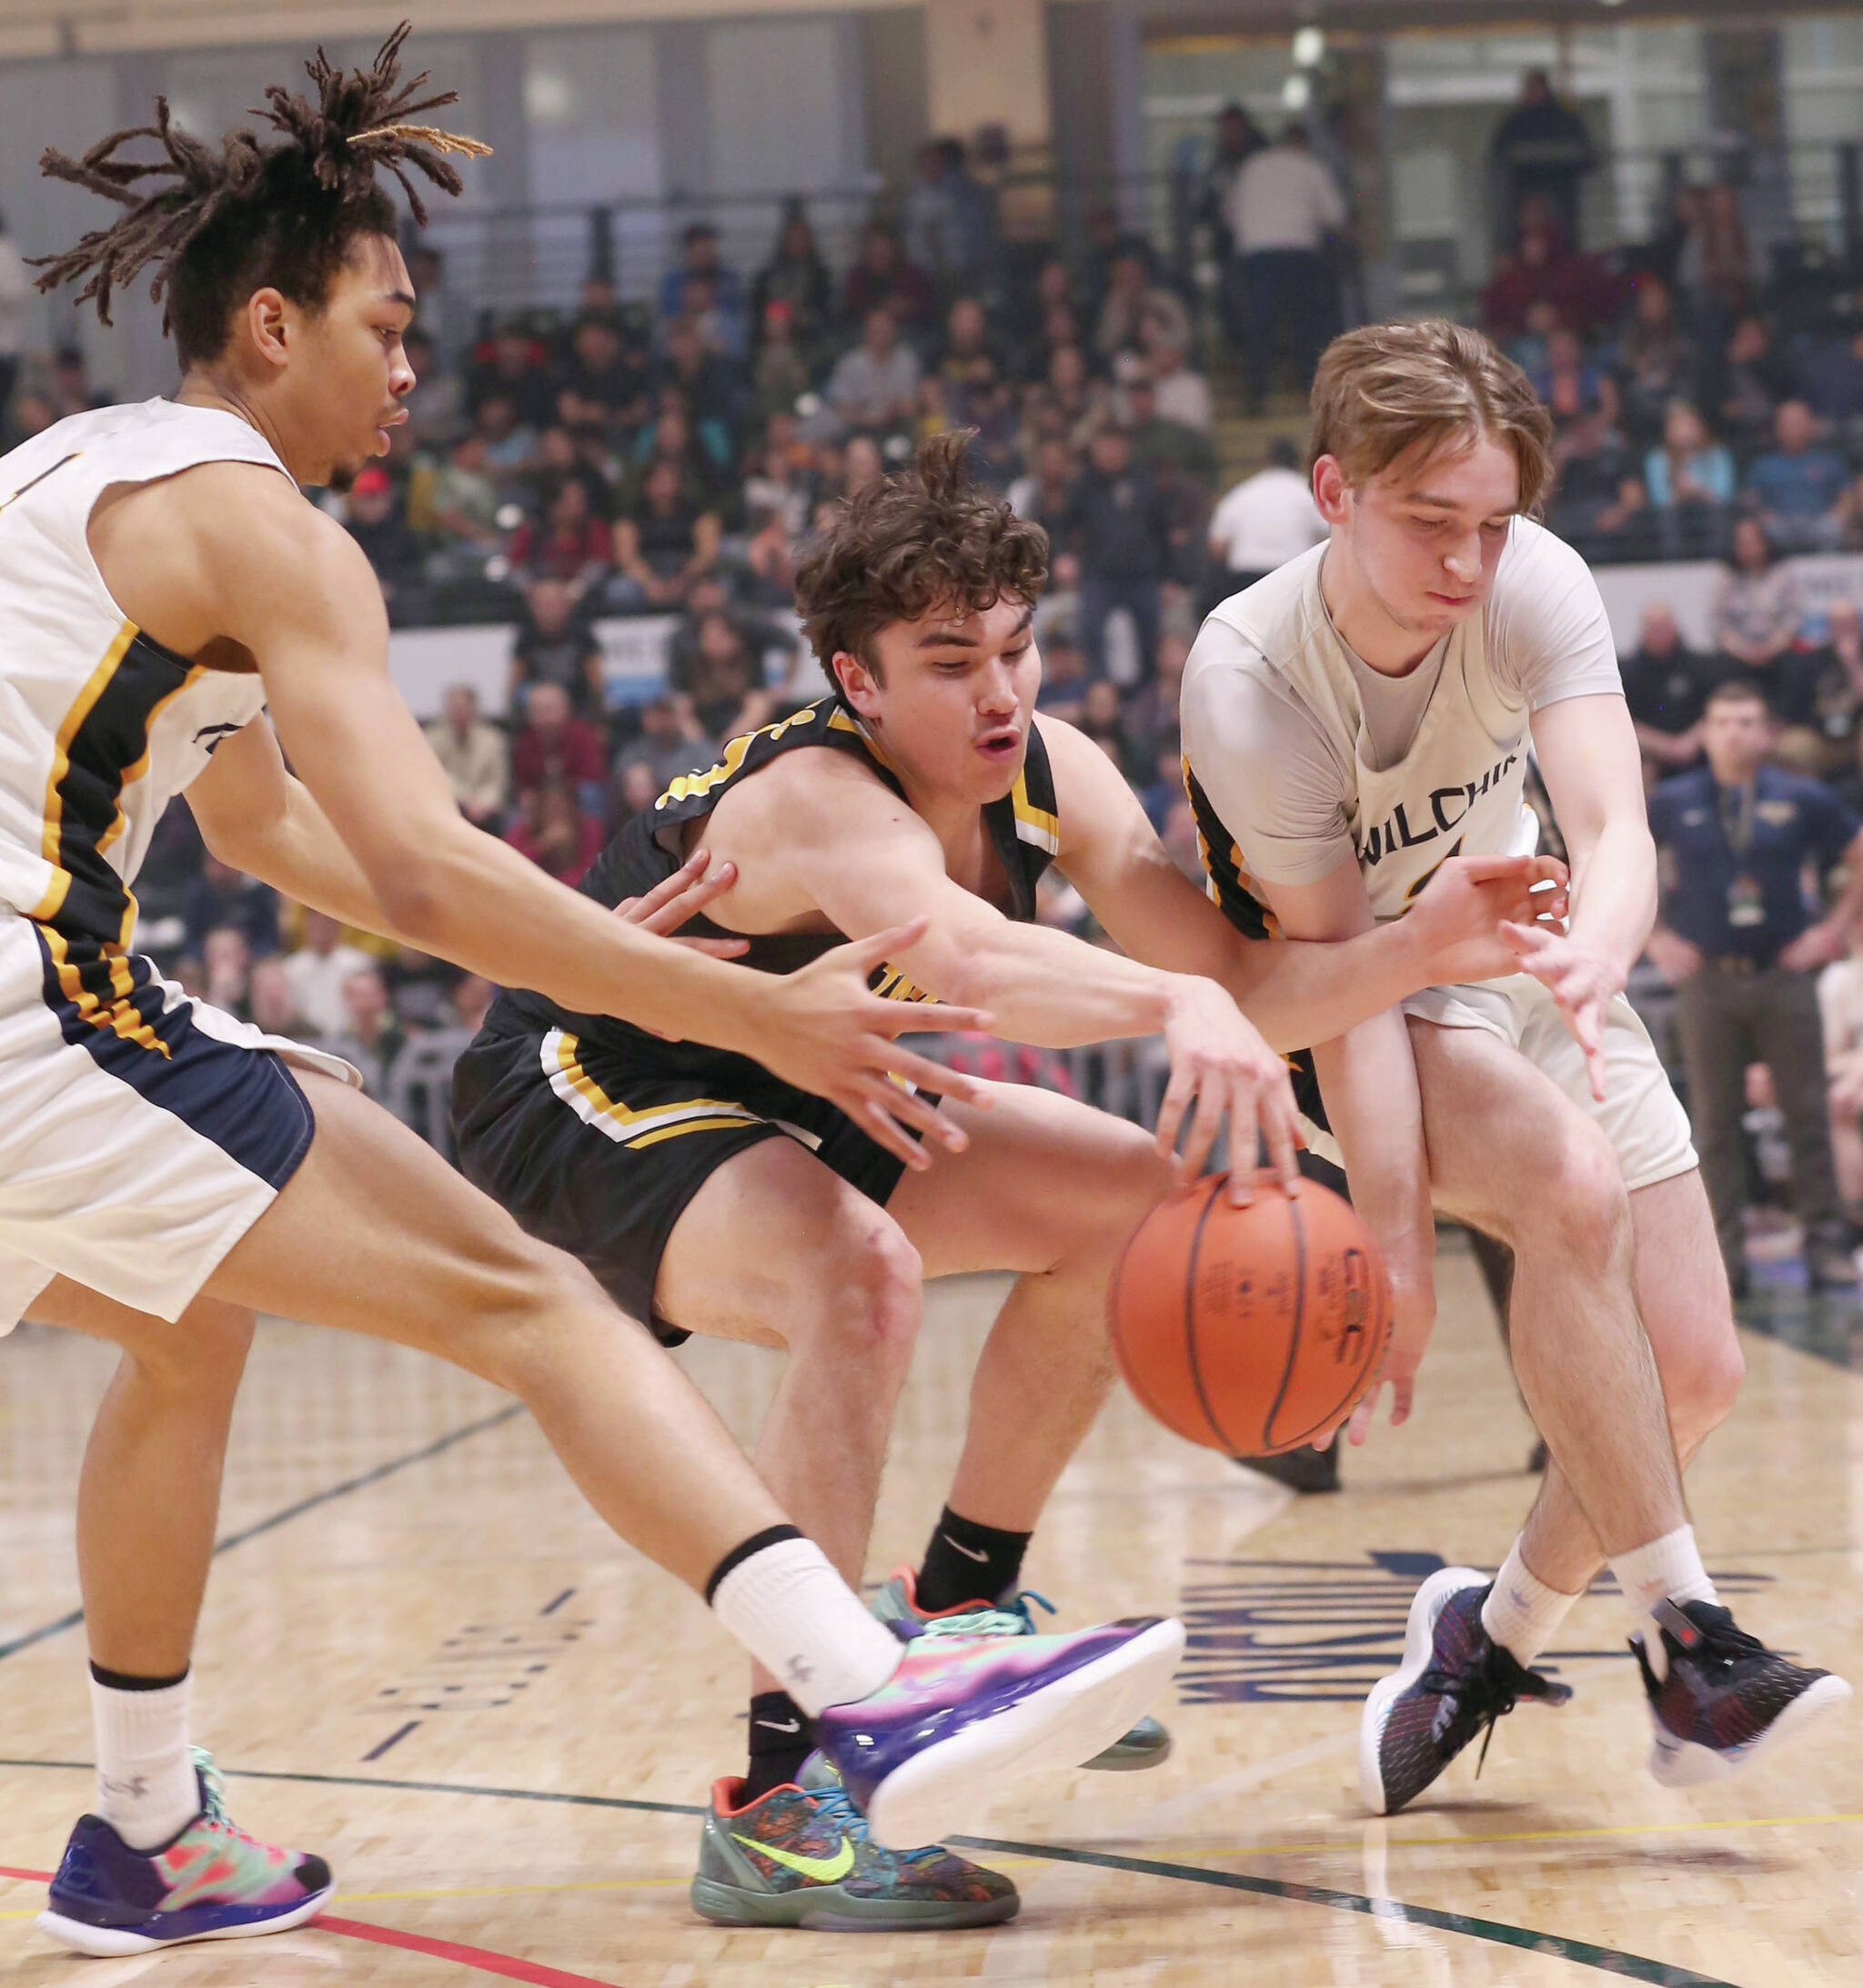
142, 1132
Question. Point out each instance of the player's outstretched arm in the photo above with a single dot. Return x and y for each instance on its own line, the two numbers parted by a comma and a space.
1368, 1081
1586, 749
817, 833
1294, 992
294, 592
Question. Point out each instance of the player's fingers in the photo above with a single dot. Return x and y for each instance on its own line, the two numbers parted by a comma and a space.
884, 1129
886, 1054
1529, 940
867, 953
689, 871
717, 948
1281, 1128
1239, 1189
1205, 1123
681, 896
1403, 1388
1483, 869
1171, 1107
915, 1112
1360, 1425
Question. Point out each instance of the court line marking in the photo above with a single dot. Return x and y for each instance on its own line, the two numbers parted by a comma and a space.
1581, 1953
278, 1519
509, 1966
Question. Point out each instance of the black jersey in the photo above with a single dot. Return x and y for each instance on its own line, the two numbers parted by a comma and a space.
1024, 827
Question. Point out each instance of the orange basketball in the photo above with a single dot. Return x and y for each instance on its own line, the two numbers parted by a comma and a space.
1250, 1330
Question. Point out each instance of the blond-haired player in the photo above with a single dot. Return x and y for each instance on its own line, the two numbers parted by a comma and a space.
1349, 723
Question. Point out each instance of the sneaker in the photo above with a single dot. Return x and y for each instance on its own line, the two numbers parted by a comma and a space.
1454, 1683
801, 1856
962, 1715
1145, 1744
1726, 1699
1306, 1469
213, 1882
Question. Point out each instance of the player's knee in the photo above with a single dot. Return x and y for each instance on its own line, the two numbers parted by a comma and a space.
204, 1352
1578, 1202
1701, 1383
877, 1291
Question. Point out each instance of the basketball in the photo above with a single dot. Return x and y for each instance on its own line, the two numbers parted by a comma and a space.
1250, 1330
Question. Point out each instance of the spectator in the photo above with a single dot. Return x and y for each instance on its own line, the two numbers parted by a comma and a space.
1182, 394
437, 407
457, 501
1237, 140
1103, 720
444, 317
1665, 685
1264, 520
1064, 678
720, 676
570, 544
476, 758
796, 278
670, 742
224, 896
882, 279
931, 227
1847, 785
1727, 261
1042, 495
509, 444
701, 451
775, 479
513, 369
1800, 491
1656, 362
1758, 613
1128, 289
1599, 503
1574, 390
1542, 150
1736, 939
1543, 270
270, 1005
470, 1001
1833, 380
374, 520
968, 360
555, 747
1177, 454
1152, 714
315, 972
603, 381
1834, 677
555, 833
226, 971
769, 561
16, 297
703, 283
1118, 534
707, 380
782, 371
70, 387
663, 542
1283, 206
1690, 480
1753, 380
372, 1037
876, 384
556, 645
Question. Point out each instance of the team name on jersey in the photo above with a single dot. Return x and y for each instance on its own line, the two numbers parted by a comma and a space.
1443, 808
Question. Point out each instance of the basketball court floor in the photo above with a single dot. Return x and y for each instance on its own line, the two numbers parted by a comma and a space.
424, 1659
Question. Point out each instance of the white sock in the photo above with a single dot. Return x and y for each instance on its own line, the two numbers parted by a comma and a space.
1521, 1612
147, 1788
777, 1595
1666, 1568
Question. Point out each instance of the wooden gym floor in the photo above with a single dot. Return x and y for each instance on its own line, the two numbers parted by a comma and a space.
424, 1659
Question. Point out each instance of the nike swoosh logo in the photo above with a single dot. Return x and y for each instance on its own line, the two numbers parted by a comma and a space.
822, 1869
770, 1725
965, 1550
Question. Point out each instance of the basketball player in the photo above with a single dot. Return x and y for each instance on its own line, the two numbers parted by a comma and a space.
708, 1192
1349, 722
166, 1171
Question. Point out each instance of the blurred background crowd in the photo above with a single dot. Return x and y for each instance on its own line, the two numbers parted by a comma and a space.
656, 462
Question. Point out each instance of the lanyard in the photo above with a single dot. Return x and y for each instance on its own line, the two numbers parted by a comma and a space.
1737, 822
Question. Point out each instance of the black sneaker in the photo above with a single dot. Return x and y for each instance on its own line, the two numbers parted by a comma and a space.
1454, 1683
1727, 1698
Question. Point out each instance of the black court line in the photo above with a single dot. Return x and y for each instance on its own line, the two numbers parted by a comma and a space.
1495, 1932
394, 1739
297, 1511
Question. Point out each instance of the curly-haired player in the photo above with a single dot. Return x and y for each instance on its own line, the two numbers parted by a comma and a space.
708, 1192
166, 1171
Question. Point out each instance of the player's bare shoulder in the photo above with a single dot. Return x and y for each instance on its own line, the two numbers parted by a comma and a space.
230, 553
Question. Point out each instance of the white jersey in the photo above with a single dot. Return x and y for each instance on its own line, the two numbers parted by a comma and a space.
100, 726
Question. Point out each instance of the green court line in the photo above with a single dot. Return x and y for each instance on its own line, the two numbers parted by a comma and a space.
1495, 1932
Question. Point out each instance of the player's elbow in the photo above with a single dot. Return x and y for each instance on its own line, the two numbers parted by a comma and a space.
414, 896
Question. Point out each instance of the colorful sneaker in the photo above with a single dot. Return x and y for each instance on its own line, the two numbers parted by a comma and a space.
1453, 1684
1725, 1698
802, 1856
213, 1882
1146, 1744
962, 1715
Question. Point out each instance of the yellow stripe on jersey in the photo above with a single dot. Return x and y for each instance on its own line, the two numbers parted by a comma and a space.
49, 904
561, 1056
840, 720
1033, 824
117, 1015
688, 784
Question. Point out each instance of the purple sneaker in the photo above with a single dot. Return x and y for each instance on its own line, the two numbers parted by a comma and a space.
213, 1882
960, 1717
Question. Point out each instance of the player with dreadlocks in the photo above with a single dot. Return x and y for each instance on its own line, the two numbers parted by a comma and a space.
166, 1171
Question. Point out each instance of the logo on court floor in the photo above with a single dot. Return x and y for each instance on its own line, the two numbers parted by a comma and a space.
1291, 1632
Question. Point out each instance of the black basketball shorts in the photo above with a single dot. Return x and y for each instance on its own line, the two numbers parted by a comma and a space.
598, 1151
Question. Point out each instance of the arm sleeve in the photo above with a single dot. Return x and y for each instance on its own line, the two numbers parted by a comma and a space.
1263, 762
1549, 636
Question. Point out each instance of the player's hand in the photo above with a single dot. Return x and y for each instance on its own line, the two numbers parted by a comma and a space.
1221, 1067
684, 894
1412, 1319
825, 1031
1458, 919
1582, 983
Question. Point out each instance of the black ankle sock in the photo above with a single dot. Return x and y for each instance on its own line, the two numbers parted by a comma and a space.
968, 1562
122, 1681
781, 1739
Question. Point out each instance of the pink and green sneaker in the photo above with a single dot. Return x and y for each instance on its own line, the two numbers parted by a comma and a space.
214, 1882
